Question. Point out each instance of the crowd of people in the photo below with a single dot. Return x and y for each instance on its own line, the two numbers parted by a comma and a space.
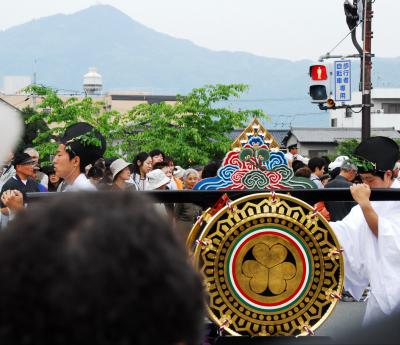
78, 271
79, 166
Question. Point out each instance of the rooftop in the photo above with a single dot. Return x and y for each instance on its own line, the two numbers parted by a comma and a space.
329, 135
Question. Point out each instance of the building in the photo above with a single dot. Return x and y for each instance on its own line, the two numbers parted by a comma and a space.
317, 142
121, 101
92, 82
384, 113
13, 84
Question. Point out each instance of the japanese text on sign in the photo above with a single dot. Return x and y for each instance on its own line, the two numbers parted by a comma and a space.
342, 77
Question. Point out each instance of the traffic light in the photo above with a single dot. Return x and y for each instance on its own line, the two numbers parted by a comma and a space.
353, 12
320, 84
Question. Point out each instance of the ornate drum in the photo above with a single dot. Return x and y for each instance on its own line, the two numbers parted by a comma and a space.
272, 266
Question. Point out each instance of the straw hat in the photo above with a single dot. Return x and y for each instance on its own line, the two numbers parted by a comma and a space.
157, 178
117, 166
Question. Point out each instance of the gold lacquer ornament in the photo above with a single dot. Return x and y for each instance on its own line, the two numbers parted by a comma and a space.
271, 267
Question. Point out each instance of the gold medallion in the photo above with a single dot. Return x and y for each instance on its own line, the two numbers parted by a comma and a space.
271, 264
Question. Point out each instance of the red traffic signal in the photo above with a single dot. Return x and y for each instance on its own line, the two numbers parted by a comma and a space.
318, 72
319, 89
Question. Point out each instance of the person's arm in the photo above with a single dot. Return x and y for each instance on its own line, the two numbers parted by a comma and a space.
13, 200
361, 194
3, 208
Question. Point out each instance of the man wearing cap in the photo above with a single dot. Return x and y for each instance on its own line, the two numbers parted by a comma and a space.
370, 233
80, 146
21, 182
293, 155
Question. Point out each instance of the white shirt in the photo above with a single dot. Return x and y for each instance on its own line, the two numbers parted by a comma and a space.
290, 157
317, 181
142, 184
373, 260
81, 183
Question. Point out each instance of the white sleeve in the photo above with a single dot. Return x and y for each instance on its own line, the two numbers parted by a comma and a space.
349, 233
389, 250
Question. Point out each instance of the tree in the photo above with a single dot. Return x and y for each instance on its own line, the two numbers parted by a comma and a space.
32, 129
59, 114
194, 130
347, 147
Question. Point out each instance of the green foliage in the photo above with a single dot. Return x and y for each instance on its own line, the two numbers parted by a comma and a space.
31, 130
59, 114
347, 147
194, 130
362, 163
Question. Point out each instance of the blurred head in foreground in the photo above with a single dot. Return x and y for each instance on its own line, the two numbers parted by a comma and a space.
95, 274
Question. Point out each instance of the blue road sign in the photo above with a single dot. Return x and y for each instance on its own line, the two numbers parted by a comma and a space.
342, 75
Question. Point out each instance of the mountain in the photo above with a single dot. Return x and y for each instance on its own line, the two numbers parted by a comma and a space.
132, 56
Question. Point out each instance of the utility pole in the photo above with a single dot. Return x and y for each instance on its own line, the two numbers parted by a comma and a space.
366, 62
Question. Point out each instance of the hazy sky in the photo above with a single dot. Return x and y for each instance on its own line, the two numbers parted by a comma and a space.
292, 29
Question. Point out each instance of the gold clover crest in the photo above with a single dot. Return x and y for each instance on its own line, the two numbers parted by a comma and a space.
269, 269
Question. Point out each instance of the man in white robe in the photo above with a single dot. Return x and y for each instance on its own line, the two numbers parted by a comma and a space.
370, 233
80, 146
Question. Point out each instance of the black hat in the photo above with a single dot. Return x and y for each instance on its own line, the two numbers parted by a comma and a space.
376, 154
22, 158
294, 146
84, 141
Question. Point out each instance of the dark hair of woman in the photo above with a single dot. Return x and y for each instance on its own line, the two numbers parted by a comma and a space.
140, 157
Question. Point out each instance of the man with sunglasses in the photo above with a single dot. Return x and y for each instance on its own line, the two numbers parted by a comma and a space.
370, 233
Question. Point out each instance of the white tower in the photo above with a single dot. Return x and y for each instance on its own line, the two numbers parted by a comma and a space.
92, 82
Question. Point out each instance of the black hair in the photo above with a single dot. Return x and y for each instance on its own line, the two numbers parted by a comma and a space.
316, 162
324, 177
169, 160
142, 156
96, 275
109, 161
95, 172
303, 172
380, 174
297, 164
327, 162
156, 152
211, 169
160, 165
334, 172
